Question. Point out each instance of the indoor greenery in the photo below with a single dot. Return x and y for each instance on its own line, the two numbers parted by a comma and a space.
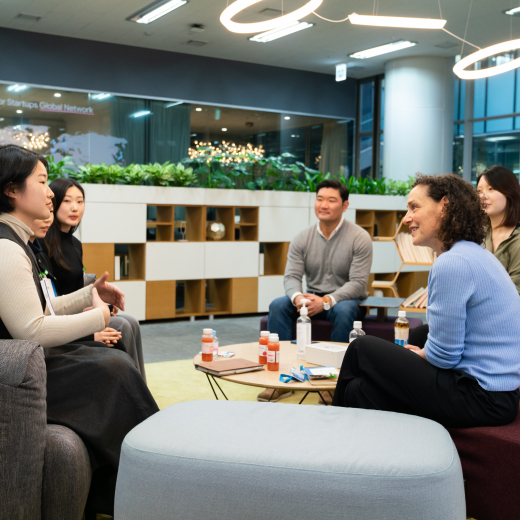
245, 170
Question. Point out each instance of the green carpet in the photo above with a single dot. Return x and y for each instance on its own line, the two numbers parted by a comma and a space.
174, 382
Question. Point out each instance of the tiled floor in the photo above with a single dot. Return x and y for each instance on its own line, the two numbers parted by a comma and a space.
174, 340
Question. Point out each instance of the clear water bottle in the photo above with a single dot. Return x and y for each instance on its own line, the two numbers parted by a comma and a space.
402, 329
215, 346
356, 333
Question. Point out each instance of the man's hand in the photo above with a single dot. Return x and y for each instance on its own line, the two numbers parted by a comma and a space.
110, 293
115, 310
108, 336
315, 305
419, 351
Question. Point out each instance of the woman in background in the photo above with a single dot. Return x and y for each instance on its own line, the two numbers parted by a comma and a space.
66, 254
499, 191
40, 228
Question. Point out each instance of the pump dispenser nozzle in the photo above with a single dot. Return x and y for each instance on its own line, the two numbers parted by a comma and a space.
304, 311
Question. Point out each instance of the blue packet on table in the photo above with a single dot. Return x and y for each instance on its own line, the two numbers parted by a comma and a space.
295, 376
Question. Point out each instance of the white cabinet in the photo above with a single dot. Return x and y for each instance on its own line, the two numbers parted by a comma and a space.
269, 288
135, 298
231, 260
279, 224
175, 261
113, 223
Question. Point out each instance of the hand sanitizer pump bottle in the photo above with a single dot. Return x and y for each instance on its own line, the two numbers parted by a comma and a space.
303, 331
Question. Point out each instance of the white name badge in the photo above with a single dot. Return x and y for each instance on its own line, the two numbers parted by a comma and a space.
48, 292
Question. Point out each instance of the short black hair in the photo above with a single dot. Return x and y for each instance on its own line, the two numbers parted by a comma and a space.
16, 165
336, 185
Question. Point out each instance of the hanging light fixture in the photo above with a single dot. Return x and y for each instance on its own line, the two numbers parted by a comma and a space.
397, 21
460, 67
243, 28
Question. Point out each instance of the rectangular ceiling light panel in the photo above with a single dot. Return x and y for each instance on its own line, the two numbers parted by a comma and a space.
157, 10
513, 12
397, 21
285, 30
382, 49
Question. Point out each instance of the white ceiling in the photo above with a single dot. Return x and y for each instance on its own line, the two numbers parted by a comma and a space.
317, 49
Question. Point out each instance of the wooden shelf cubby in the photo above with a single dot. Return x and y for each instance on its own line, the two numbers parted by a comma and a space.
218, 296
366, 220
275, 257
190, 298
246, 229
163, 221
244, 295
98, 258
160, 300
224, 215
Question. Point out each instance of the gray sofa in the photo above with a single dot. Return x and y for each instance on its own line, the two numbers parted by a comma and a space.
44, 469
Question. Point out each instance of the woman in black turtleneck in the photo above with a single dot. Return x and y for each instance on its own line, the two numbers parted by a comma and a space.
66, 256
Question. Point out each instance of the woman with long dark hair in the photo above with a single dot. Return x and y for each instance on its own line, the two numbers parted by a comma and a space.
66, 254
500, 193
95, 391
467, 371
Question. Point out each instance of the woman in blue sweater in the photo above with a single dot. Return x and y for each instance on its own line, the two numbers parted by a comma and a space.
468, 371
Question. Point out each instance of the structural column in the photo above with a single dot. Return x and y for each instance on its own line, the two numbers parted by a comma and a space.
418, 134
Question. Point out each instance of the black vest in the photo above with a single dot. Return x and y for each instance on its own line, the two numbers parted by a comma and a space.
6, 232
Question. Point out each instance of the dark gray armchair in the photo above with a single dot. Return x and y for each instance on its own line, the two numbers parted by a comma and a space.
44, 469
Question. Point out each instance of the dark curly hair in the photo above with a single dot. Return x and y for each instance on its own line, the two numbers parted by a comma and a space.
464, 217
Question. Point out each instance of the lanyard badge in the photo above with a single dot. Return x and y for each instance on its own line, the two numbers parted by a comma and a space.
48, 291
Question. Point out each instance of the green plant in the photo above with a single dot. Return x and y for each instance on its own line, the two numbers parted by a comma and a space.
134, 174
61, 168
182, 176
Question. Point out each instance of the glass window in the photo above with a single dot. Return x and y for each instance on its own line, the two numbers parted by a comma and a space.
365, 156
499, 125
382, 104
458, 149
478, 127
479, 104
104, 128
498, 149
500, 94
366, 106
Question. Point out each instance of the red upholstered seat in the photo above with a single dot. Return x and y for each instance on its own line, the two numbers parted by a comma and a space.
490, 458
322, 329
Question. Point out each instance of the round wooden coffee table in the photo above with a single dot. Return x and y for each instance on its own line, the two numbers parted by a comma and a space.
266, 378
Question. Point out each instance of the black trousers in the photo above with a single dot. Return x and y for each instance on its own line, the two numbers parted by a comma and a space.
379, 375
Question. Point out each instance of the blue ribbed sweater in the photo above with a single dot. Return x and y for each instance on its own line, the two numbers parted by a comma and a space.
474, 317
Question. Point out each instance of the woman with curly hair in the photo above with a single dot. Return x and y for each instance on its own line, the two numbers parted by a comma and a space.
500, 193
467, 373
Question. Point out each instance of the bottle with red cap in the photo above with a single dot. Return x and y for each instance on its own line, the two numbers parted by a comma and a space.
273, 353
262, 346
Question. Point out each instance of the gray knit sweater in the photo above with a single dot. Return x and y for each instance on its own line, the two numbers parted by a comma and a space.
339, 266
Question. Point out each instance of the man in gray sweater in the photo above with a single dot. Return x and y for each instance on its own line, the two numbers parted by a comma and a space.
335, 256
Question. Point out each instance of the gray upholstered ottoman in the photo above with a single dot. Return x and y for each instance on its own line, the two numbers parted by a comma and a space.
221, 460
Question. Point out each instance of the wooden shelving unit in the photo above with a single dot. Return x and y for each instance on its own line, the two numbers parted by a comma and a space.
189, 296
160, 300
247, 226
366, 220
218, 296
275, 258
159, 223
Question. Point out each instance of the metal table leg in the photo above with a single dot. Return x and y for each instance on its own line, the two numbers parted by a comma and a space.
215, 381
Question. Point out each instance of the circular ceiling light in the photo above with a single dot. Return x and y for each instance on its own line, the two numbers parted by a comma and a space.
486, 53
240, 5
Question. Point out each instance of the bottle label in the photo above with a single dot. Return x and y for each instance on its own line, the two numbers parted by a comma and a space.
262, 350
401, 336
273, 356
303, 337
207, 348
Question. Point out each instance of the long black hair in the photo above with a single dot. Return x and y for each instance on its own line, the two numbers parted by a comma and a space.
16, 165
505, 181
53, 237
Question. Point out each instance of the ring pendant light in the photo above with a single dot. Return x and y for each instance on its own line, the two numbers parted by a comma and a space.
240, 5
486, 53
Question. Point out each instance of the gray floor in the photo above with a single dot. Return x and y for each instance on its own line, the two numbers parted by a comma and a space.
171, 341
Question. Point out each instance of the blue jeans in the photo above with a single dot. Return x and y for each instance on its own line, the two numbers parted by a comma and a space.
282, 313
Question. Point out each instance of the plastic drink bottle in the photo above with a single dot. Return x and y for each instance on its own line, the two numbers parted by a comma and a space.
356, 333
303, 331
207, 345
273, 353
215, 345
262, 347
402, 329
